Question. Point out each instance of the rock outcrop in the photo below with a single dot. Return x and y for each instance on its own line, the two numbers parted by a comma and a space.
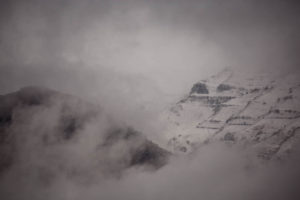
255, 111
50, 132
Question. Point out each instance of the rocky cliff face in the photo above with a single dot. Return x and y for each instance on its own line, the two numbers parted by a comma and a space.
47, 133
254, 110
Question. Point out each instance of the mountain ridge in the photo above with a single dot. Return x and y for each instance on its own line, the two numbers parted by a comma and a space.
237, 108
46, 132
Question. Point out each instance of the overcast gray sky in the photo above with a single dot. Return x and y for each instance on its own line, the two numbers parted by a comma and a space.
134, 56
158, 46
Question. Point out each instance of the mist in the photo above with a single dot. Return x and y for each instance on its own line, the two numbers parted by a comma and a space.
145, 53
170, 44
134, 58
215, 172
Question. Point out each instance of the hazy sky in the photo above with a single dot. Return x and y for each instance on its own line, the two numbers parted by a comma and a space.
133, 46
130, 54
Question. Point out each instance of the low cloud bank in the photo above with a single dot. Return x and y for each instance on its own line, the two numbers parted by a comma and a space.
214, 172
62, 149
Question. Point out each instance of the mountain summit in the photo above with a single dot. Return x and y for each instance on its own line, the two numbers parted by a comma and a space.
253, 110
47, 134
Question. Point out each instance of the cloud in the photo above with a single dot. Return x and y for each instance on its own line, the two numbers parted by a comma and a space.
173, 44
133, 58
215, 172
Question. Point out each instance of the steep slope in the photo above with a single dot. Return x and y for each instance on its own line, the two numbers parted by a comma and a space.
257, 111
47, 133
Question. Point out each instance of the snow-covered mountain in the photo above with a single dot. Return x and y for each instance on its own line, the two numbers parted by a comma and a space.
261, 111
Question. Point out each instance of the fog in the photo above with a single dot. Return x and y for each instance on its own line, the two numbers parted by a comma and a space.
134, 58
142, 54
214, 172
46, 166
170, 44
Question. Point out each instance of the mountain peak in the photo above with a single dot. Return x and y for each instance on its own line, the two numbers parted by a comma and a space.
237, 107
222, 76
49, 121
